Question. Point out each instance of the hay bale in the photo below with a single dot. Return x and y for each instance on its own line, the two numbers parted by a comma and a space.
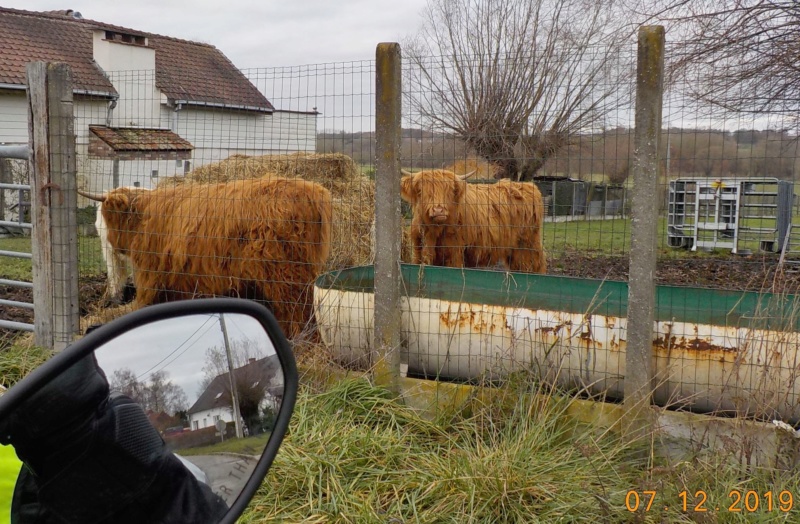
353, 193
484, 170
334, 171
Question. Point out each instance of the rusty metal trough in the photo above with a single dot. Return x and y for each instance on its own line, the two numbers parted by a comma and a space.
714, 351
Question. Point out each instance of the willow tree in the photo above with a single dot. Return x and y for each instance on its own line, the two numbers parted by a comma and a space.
517, 80
737, 55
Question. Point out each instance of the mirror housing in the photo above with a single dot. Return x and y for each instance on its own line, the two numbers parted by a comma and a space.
106, 335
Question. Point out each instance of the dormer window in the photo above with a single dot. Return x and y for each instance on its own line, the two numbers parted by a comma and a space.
126, 38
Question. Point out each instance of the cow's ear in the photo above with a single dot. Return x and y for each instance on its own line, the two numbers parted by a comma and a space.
407, 189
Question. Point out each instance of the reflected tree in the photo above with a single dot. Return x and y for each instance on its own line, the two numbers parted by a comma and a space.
157, 393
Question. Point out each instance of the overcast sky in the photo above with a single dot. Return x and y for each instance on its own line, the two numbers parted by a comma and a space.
179, 348
254, 33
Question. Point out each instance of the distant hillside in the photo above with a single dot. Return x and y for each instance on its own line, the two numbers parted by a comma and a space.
692, 152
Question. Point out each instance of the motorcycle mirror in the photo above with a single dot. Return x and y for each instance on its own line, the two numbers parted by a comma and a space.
216, 378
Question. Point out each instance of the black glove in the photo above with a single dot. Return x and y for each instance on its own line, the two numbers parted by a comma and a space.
95, 458
58, 418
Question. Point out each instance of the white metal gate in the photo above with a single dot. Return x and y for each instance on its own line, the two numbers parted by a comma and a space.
740, 214
19, 152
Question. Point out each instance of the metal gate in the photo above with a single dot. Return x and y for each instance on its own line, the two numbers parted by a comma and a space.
19, 152
740, 214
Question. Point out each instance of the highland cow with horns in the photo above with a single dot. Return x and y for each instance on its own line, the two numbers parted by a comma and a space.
458, 224
265, 239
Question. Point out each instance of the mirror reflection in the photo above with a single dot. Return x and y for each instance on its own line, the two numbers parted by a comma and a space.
210, 384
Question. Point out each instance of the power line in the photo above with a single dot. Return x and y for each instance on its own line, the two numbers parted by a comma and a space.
179, 347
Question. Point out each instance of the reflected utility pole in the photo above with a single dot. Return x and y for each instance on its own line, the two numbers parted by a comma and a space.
237, 418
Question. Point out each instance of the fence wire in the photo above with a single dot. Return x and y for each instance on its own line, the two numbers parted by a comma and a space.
521, 266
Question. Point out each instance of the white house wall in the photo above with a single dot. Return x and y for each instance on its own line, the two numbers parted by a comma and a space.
13, 117
131, 68
205, 419
139, 103
217, 134
88, 111
14, 125
121, 56
137, 173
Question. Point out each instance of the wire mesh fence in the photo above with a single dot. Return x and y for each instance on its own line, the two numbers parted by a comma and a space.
520, 265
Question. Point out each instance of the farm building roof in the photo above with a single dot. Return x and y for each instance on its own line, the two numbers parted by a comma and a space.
186, 72
140, 139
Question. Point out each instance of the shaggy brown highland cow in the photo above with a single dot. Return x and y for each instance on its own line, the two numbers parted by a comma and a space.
458, 224
265, 239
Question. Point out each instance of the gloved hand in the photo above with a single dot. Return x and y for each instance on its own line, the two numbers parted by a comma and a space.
57, 418
96, 458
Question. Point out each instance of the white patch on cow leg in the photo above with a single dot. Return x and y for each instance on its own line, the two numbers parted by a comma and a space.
116, 263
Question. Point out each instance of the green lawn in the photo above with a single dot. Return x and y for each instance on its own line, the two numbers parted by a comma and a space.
90, 259
249, 446
608, 237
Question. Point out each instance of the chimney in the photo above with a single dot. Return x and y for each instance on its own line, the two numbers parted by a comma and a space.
251, 360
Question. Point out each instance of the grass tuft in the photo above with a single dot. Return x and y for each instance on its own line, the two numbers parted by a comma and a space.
354, 453
17, 360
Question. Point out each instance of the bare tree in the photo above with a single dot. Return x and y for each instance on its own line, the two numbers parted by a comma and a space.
516, 80
739, 55
157, 394
217, 360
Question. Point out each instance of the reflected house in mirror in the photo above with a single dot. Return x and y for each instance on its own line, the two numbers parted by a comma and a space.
259, 388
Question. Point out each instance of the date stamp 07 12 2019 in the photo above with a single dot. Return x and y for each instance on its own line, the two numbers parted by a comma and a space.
738, 501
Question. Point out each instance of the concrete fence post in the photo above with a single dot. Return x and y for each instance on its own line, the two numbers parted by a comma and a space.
388, 220
54, 236
644, 221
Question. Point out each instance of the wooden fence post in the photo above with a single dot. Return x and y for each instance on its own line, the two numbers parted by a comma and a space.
54, 238
644, 225
388, 220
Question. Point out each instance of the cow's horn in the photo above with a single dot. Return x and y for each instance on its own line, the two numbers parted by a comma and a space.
464, 177
99, 197
405, 173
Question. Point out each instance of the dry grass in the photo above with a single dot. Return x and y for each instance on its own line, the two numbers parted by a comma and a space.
353, 193
104, 315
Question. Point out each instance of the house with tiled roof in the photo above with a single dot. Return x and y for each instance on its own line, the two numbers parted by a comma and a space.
146, 105
259, 380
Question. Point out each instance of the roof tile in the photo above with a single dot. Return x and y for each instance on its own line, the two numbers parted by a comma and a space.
185, 71
140, 139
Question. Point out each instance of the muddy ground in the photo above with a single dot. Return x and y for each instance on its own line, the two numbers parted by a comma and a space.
752, 273
91, 293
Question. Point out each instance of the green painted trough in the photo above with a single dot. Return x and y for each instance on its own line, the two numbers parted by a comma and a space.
713, 350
